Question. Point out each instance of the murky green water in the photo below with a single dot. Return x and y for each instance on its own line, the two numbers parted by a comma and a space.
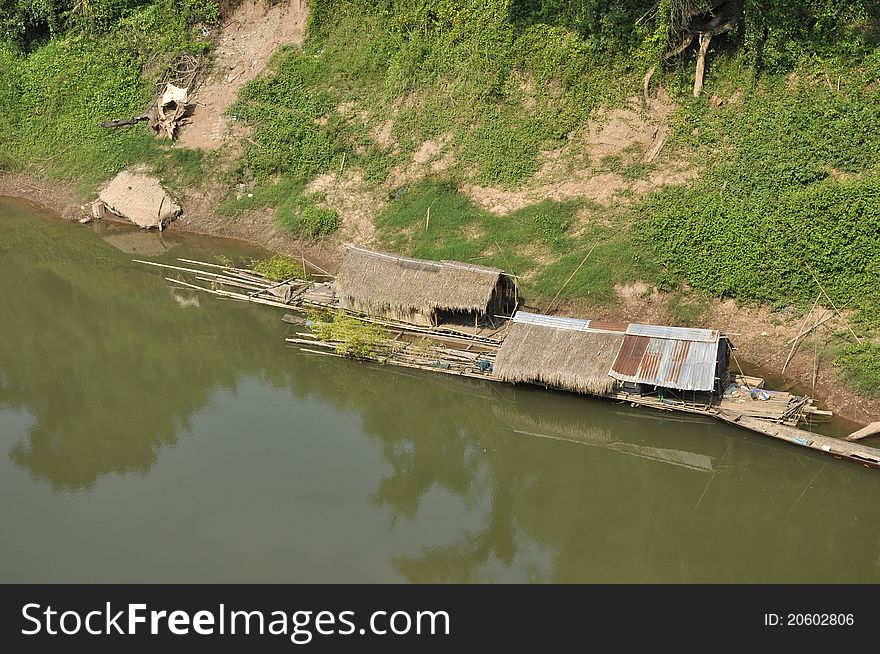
150, 434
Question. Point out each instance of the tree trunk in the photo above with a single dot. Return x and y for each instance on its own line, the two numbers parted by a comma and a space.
705, 39
645, 84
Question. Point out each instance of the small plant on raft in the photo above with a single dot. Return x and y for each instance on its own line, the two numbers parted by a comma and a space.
352, 337
278, 268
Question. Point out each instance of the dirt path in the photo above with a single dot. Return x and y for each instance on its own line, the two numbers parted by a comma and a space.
245, 45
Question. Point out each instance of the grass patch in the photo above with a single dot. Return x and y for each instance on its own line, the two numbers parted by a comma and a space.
615, 258
859, 365
535, 242
53, 98
296, 210
182, 168
687, 311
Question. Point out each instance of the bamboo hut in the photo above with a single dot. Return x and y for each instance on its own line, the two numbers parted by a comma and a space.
419, 292
602, 357
559, 352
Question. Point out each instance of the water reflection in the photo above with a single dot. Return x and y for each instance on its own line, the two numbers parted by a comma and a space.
607, 495
103, 358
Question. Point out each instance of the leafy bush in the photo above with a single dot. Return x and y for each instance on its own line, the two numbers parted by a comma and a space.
311, 221
353, 337
278, 268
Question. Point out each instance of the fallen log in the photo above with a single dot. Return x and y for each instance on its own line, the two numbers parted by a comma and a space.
864, 432
123, 122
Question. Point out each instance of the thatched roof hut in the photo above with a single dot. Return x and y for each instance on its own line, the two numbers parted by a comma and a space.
573, 360
419, 291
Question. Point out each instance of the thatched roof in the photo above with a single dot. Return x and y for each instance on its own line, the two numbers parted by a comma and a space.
563, 358
384, 280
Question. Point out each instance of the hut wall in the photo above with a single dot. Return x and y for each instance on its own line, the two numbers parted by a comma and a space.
722, 366
422, 318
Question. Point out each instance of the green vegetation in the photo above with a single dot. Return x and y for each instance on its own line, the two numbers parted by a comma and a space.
687, 311
278, 268
783, 142
101, 64
354, 338
310, 220
788, 197
543, 242
860, 365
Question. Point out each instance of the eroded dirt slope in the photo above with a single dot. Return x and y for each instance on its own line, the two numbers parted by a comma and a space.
244, 46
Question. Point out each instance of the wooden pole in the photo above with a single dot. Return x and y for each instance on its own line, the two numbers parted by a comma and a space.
801, 333
821, 288
570, 277
864, 432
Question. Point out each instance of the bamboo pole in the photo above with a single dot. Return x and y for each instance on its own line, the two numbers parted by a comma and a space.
846, 322
194, 271
229, 294
570, 277
800, 335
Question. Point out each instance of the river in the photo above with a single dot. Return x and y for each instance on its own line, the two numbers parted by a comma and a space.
149, 434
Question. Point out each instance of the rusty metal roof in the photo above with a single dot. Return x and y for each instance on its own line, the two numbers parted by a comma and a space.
673, 357
673, 363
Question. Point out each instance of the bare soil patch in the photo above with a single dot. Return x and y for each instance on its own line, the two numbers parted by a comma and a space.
356, 203
580, 169
244, 46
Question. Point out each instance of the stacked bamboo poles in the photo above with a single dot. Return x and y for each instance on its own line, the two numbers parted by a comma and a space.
409, 354
256, 287
247, 285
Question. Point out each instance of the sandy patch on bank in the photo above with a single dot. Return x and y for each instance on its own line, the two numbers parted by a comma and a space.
354, 201
244, 46
614, 138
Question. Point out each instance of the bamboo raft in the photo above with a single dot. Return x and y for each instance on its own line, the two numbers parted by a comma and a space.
456, 351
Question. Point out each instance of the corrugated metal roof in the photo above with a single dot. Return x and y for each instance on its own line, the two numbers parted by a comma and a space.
608, 326
630, 356
673, 363
559, 322
674, 333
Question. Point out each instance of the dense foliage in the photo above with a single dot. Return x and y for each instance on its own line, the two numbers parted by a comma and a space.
790, 199
29, 23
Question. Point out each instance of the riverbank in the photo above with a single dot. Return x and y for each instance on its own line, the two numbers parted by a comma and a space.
762, 336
